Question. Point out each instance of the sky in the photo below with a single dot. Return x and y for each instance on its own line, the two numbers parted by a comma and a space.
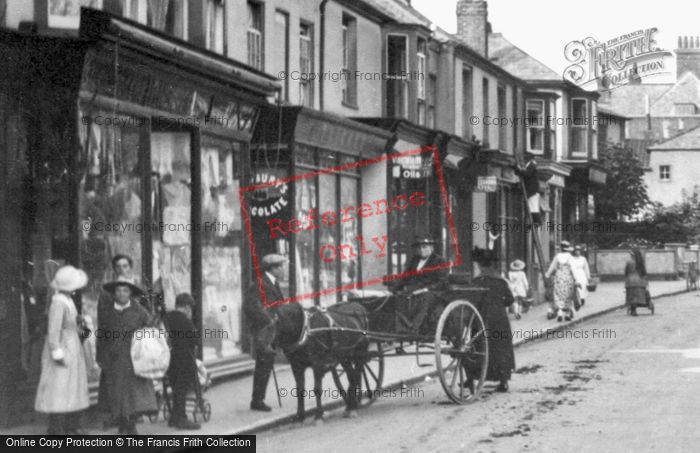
544, 27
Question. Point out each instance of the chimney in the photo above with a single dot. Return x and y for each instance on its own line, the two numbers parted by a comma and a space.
472, 25
688, 55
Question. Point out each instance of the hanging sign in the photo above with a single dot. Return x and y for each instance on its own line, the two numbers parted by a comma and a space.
486, 184
413, 167
270, 200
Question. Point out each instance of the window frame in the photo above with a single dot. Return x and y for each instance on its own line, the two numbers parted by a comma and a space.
665, 176
306, 83
582, 127
219, 6
539, 127
257, 60
404, 104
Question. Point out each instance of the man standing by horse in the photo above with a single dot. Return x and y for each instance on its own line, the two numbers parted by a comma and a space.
417, 290
260, 323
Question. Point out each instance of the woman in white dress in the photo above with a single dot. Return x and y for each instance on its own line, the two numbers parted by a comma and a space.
582, 274
560, 269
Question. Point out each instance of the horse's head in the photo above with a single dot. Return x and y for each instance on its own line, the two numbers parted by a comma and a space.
289, 322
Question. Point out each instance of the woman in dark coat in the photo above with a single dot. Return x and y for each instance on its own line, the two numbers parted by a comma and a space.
128, 394
635, 282
492, 308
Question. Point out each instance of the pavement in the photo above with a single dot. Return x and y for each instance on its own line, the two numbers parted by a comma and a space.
230, 398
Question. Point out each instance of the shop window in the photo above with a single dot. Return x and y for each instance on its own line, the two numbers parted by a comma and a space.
579, 127
535, 126
306, 250
171, 195
255, 35
215, 35
110, 207
350, 265
327, 201
222, 242
306, 64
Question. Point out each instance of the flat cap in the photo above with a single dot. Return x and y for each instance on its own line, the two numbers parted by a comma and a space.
273, 258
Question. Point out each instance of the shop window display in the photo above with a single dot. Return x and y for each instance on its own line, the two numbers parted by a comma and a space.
221, 249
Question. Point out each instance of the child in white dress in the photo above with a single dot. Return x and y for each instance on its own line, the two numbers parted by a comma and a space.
518, 285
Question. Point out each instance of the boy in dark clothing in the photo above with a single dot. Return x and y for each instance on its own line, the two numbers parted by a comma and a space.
183, 368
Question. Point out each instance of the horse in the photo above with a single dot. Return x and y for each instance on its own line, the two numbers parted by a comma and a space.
323, 350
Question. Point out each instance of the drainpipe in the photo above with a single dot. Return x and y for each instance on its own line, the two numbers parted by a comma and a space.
322, 58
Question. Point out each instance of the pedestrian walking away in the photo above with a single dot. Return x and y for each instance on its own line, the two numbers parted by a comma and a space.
63, 387
582, 274
636, 282
492, 307
564, 294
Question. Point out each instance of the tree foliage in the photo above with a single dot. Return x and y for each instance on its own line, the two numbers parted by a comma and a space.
625, 193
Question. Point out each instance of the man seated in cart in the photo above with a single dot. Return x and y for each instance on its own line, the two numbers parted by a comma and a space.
417, 291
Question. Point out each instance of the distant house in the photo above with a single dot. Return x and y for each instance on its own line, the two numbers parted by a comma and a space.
673, 167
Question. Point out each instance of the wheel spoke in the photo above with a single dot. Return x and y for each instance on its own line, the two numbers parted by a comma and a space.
369, 389
374, 376
461, 382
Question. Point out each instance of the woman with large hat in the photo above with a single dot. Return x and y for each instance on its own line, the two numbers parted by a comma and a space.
128, 395
564, 284
493, 309
63, 388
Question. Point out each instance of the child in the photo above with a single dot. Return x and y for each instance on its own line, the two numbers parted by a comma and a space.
518, 285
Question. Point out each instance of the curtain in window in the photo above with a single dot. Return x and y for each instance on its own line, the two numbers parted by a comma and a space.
157, 12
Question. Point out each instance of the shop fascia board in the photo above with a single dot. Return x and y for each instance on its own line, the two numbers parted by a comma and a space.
99, 25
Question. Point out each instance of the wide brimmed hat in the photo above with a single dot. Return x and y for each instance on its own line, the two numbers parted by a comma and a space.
111, 286
184, 300
484, 257
273, 258
423, 240
566, 246
517, 265
69, 278
578, 247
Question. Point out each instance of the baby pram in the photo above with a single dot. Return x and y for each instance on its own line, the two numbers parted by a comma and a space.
196, 404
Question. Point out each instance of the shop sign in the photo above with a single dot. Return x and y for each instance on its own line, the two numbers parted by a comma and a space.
413, 166
556, 180
270, 200
597, 176
486, 184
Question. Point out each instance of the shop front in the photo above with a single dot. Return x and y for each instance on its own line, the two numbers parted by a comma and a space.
317, 153
137, 145
578, 202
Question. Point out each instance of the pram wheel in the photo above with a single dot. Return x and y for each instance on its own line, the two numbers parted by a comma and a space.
651, 307
206, 411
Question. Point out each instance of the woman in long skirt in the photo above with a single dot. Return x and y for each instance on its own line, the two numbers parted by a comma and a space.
563, 282
582, 274
492, 308
635, 282
63, 387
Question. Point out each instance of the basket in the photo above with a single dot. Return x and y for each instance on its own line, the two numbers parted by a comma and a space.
592, 284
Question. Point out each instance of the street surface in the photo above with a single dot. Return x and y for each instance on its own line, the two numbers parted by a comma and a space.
614, 383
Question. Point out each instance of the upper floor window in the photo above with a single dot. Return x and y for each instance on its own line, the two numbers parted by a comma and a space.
579, 126
535, 125
432, 100
552, 128
421, 92
397, 83
349, 48
664, 172
136, 10
684, 109
485, 99
502, 113
255, 35
306, 64
163, 15
467, 103
280, 50
215, 34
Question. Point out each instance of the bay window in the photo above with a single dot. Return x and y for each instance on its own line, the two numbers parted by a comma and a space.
579, 126
535, 126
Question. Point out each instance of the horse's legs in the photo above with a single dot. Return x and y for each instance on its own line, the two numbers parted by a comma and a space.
298, 371
353, 372
318, 389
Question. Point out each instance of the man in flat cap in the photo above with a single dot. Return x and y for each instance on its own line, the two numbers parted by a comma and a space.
260, 323
418, 289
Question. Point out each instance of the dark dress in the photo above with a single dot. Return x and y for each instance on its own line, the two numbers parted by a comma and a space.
492, 308
128, 395
635, 286
183, 368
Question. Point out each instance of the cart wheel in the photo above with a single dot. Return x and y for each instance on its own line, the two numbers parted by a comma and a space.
371, 377
206, 410
461, 351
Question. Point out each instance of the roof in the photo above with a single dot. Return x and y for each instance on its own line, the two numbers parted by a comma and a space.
606, 110
630, 100
400, 11
689, 140
518, 62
